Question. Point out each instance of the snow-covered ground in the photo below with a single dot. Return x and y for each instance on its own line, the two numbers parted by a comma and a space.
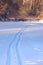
21, 43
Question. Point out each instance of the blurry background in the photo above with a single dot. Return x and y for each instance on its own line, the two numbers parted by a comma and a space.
21, 8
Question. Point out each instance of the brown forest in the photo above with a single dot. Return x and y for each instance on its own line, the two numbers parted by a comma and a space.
21, 8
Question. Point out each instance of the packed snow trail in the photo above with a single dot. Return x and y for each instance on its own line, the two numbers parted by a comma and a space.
17, 38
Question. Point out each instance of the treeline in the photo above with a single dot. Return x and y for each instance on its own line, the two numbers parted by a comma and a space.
13, 8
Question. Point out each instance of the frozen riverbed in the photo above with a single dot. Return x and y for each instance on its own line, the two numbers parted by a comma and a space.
21, 43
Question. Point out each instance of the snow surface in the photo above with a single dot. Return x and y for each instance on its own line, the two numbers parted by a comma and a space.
21, 43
